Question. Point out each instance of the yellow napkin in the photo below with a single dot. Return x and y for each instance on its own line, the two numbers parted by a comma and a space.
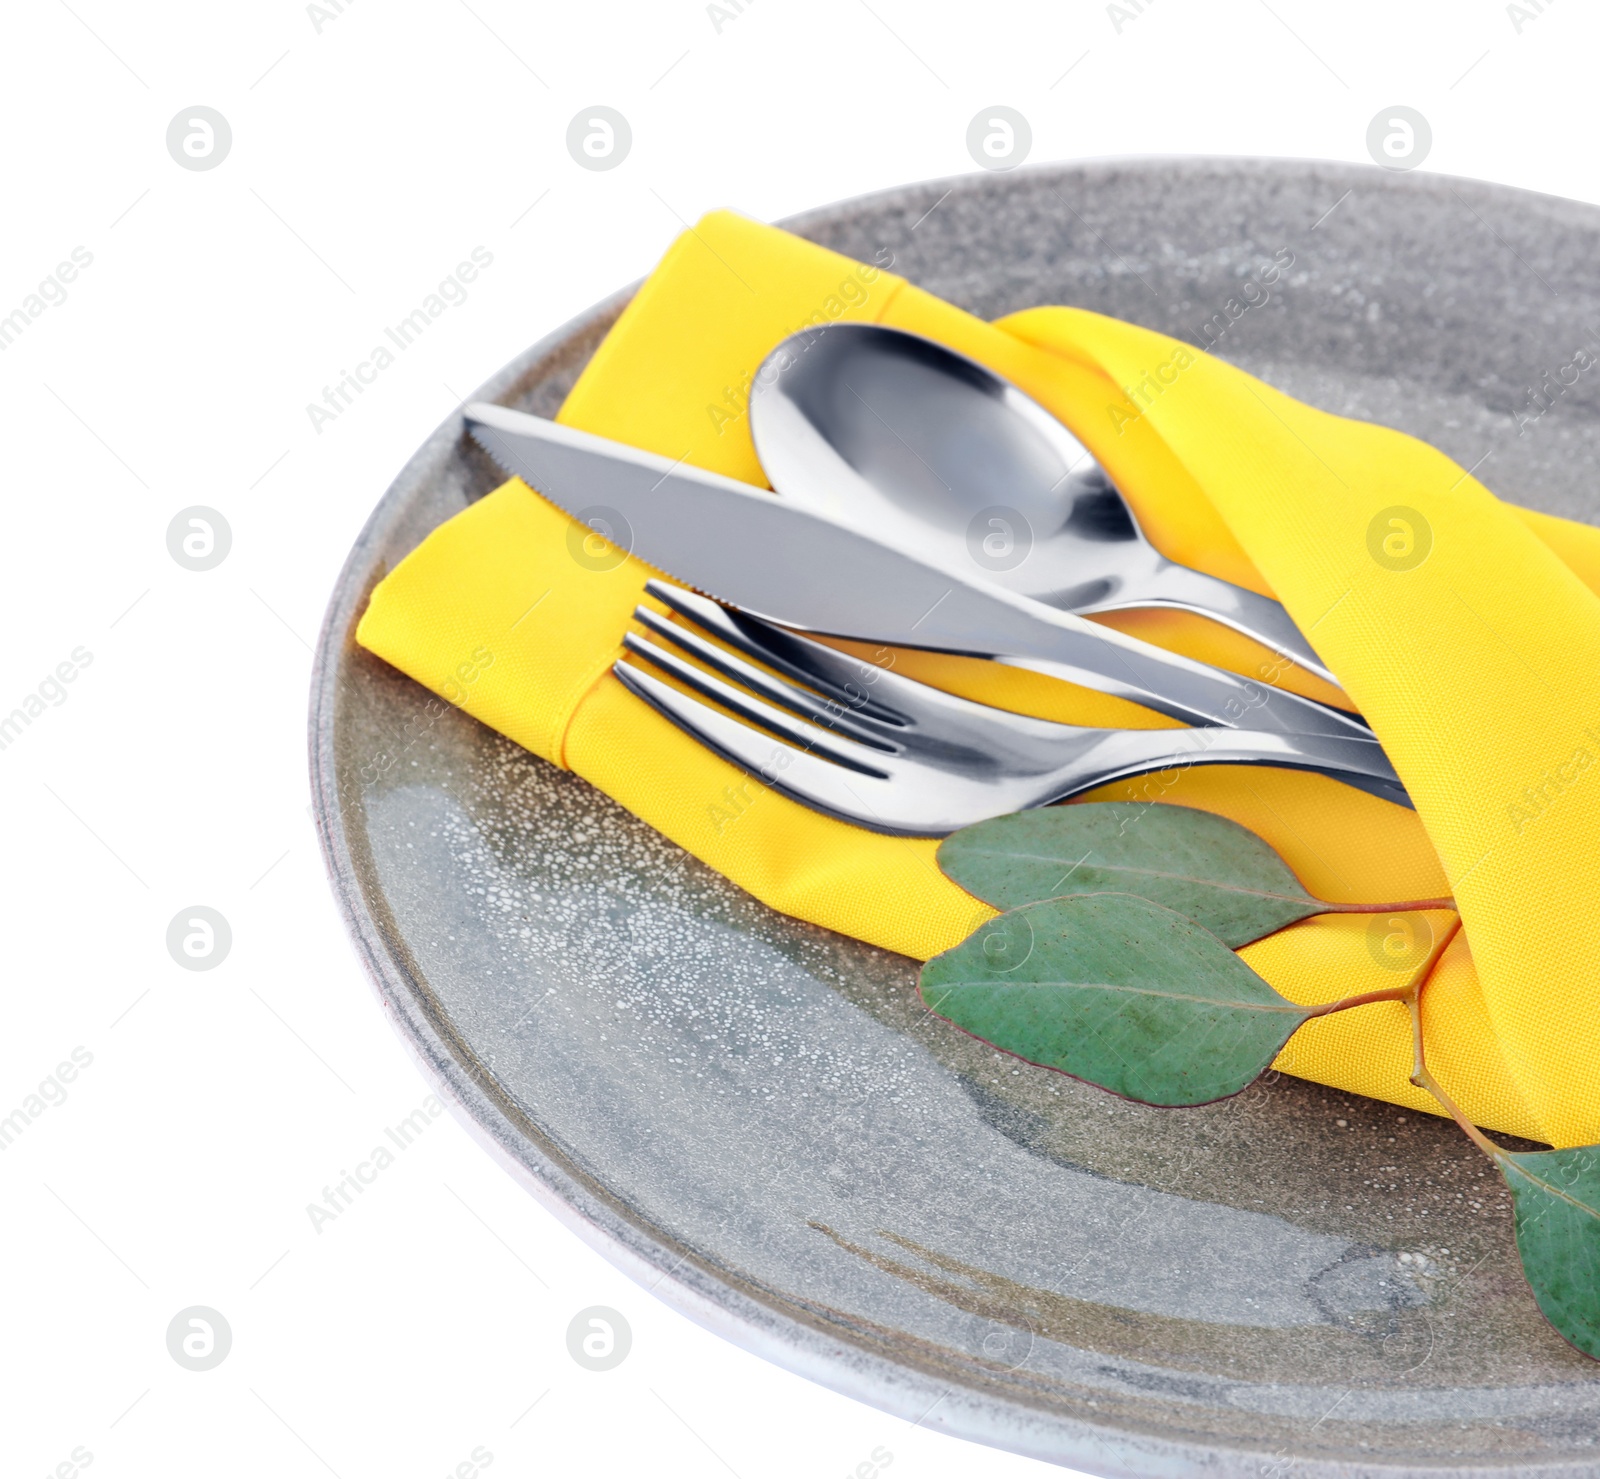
1479, 667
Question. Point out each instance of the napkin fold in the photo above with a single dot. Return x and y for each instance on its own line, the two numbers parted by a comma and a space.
1478, 665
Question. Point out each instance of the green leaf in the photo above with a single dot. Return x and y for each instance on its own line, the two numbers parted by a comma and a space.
1216, 872
1117, 991
1556, 1194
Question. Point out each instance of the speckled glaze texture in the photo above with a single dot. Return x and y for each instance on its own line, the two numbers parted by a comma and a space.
756, 1118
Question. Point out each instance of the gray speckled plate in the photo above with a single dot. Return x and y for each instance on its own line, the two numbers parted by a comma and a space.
754, 1116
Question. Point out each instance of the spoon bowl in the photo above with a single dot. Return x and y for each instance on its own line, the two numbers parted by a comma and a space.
897, 433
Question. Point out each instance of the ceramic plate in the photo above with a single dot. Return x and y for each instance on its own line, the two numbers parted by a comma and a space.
757, 1119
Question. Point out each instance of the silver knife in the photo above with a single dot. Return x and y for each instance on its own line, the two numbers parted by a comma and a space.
798, 568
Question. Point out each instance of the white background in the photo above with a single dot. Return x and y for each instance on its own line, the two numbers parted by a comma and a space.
369, 157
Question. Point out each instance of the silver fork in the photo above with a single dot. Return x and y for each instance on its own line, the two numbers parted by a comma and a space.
895, 755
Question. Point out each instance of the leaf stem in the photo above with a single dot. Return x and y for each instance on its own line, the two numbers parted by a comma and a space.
1410, 993
1408, 906
1389, 993
1420, 1076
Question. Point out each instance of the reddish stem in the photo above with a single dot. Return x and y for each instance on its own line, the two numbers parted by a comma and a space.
1389, 993
1420, 1076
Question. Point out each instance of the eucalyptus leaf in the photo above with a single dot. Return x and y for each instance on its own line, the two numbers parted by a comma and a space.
1118, 991
1219, 874
1556, 1194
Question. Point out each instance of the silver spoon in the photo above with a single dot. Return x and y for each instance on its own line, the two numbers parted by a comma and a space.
897, 434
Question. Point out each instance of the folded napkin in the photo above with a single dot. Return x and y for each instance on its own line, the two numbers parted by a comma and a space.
1479, 668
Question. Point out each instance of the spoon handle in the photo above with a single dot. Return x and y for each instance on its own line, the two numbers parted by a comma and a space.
1180, 588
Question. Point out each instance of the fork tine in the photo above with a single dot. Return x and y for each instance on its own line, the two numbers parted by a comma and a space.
838, 748
835, 674
805, 702
865, 798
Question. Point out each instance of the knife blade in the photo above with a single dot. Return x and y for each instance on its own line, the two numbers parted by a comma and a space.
798, 568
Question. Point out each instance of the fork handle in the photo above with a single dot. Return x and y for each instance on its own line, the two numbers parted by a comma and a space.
1129, 752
